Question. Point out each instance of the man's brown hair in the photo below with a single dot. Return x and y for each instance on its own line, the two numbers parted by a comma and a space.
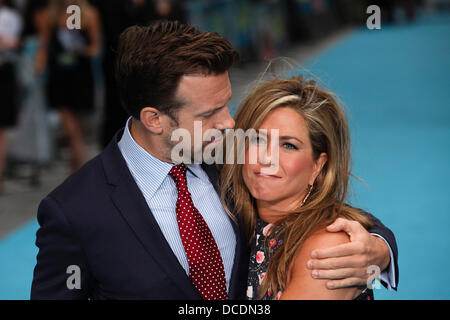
152, 59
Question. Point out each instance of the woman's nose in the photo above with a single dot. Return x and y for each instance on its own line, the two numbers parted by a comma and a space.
264, 154
268, 157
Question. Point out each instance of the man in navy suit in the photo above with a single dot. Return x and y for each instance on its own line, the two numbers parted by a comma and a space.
110, 230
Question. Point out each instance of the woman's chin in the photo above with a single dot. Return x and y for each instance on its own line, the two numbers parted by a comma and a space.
263, 195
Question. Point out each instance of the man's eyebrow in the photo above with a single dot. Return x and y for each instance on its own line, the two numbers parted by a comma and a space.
210, 112
214, 110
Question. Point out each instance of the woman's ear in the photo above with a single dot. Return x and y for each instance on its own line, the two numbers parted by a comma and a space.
151, 120
318, 165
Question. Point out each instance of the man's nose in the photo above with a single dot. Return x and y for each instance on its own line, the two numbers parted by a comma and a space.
226, 121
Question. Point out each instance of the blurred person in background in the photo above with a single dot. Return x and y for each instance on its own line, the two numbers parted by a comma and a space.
29, 142
10, 30
170, 10
34, 33
389, 9
116, 16
70, 86
410, 8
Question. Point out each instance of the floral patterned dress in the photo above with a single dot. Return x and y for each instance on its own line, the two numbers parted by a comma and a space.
264, 246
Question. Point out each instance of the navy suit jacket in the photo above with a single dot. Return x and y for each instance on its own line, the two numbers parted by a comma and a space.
99, 221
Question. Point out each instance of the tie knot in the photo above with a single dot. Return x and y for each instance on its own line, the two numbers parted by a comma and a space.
178, 174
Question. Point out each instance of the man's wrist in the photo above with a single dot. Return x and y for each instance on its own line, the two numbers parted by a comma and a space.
382, 253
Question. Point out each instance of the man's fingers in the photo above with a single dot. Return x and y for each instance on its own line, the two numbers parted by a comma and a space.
348, 226
338, 274
346, 283
337, 263
342, 250
340, 224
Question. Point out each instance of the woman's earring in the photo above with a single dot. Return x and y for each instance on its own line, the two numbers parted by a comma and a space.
310, 187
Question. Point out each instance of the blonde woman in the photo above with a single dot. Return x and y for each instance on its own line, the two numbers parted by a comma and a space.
285, 211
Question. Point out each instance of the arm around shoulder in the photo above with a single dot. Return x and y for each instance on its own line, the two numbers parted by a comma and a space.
301, 285
380, 230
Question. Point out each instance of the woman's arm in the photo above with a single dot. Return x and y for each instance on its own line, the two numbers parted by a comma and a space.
8, 43
301, 285
42, 22
94, 31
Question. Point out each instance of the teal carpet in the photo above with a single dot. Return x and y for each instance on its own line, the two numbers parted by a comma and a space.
395, 84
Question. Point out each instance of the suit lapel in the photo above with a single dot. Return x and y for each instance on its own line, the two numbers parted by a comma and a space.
130, 202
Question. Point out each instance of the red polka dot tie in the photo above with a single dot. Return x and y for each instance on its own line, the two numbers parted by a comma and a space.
206, 269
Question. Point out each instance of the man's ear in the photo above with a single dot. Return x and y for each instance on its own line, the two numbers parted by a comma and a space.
318, 165
151, 120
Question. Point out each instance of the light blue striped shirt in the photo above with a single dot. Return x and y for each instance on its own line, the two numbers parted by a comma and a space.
160, 192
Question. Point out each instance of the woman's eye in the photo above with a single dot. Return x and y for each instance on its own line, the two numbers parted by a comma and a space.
289, 146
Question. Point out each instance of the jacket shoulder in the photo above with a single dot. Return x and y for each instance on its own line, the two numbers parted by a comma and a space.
87, 180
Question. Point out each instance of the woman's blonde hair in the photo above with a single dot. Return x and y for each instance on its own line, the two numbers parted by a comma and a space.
329, 133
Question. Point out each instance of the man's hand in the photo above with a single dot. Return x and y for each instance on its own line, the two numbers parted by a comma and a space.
346, 265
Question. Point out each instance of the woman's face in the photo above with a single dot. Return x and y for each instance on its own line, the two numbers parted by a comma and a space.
286, 185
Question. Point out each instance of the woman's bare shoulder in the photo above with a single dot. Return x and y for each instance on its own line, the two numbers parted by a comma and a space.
322, 238
301, 284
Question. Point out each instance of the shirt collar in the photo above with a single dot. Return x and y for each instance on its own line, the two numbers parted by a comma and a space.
197, 170
146, 167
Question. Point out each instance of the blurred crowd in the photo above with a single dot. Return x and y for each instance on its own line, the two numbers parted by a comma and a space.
46, 67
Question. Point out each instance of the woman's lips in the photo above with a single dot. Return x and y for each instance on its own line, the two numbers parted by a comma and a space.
265, 175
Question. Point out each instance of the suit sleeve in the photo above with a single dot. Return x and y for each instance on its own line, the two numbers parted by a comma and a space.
61, 271
380, 229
